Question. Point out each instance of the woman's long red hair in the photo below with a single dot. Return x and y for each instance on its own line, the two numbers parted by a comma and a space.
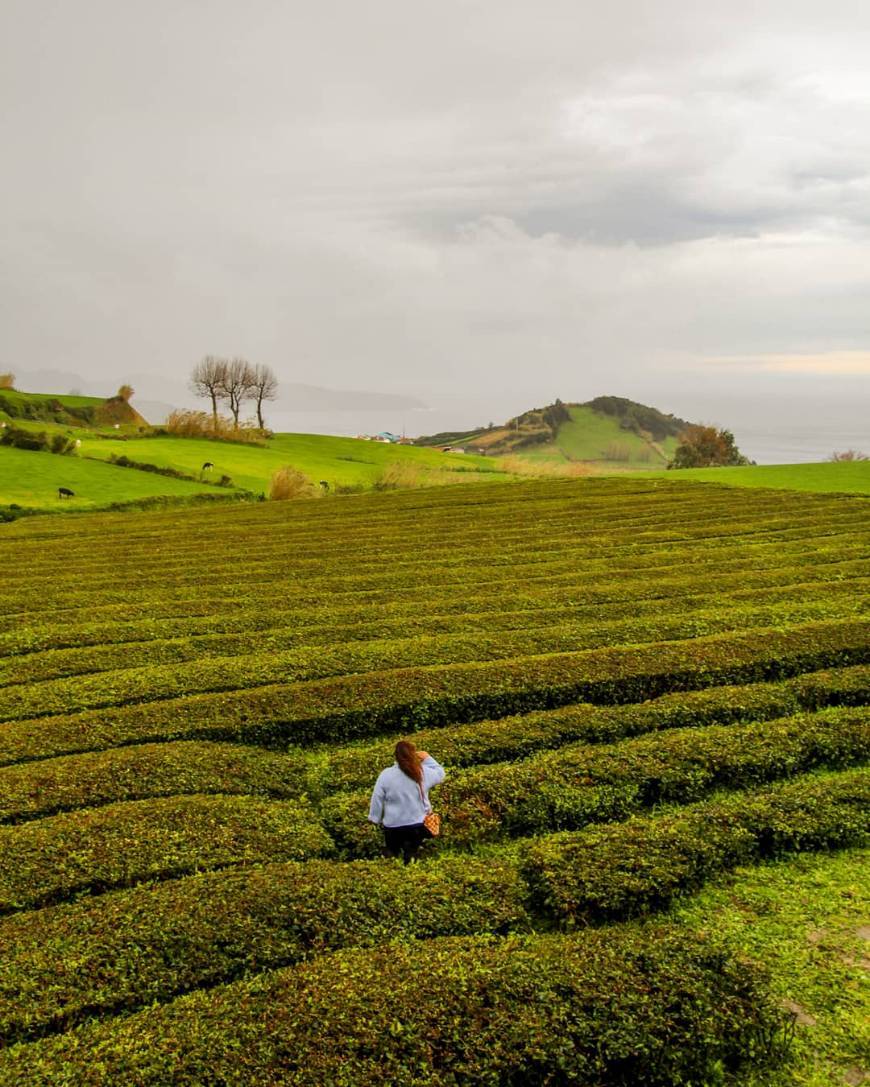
406, 757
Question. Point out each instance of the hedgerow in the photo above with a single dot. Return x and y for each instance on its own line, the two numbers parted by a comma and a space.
409, 699
510, 583
629, 644
55, 858
487, 612
290, 656
654, 1007
47, 786
152, 942
581, 783
330, 768
621, 870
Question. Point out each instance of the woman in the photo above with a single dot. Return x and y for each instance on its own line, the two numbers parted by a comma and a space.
400, 800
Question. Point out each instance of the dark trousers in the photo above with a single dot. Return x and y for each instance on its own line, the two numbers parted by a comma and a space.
405, 840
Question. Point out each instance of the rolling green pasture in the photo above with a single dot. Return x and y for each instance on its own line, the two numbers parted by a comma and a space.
31, 480
339, 461
846, 478
653, 704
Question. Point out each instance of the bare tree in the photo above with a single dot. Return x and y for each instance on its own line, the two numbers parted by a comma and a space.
237, 385
848, 455
265, 387
125, 392
207, 379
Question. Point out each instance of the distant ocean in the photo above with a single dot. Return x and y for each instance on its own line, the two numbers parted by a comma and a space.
785, 444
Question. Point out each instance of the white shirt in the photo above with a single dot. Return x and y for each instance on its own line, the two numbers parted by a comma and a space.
396, 799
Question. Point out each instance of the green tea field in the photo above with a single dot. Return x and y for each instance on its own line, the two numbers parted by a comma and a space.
652, 700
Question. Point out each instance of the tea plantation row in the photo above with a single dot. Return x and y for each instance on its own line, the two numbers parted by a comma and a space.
635, 686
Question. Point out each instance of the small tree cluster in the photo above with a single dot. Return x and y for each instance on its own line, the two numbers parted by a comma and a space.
848, 455
707, 447
233, 382
7, 381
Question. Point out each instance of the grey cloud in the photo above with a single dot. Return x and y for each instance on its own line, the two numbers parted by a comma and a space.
556, 199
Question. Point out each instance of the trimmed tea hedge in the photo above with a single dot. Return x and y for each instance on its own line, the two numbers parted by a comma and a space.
55, 858
621, 870
91, 676
32, 789
654, 1007
331, 769
46, 786
129, 948
411, 698
582, 783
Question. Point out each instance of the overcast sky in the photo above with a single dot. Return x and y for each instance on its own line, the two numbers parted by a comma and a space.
506, 201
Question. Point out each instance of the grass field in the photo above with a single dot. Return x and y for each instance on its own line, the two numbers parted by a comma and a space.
31, 480
847, 478
339, 461
653, 703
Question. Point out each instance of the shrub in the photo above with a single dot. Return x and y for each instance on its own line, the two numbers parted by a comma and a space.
204, 929
288, 482
25, 439
517, 736
622, 870
655, 1007
848, 455
201, 424
408, 699
152, 942
123, 461
55, 858
706, 447
581, 784
48, 786
7, 381
20, 438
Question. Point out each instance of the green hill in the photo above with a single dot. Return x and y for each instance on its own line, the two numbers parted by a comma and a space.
607, 431
75, 411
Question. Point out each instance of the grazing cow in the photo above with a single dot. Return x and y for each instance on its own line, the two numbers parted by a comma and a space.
65, 492
324, 485
208, 464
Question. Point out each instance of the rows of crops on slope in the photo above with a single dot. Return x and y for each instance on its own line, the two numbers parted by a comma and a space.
635, 687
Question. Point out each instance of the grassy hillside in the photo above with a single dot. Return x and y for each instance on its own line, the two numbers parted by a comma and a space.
653, 705
76, 411
598, 439
845, 478
608, 432
31, 480
339, 461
